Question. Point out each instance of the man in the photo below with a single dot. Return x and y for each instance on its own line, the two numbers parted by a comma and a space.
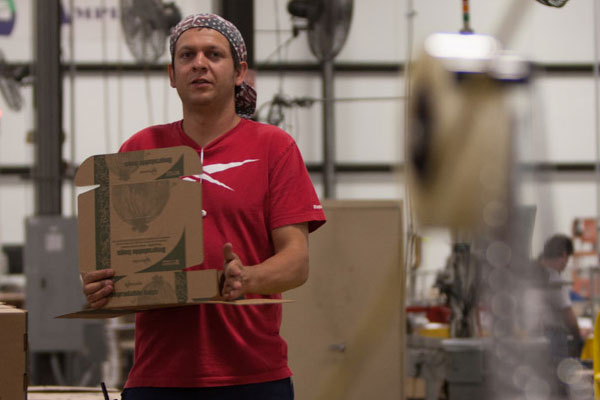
259, 206
560, 320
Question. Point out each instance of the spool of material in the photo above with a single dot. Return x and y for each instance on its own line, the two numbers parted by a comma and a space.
458, 147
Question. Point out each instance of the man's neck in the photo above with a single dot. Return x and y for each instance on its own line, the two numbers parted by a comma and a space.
204, 127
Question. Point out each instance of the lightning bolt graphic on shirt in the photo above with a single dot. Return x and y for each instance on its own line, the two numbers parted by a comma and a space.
207, 170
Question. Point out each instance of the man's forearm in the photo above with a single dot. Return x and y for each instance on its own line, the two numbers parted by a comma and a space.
283, 271
287, 268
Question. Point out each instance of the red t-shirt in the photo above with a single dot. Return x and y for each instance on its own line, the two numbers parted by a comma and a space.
254, 180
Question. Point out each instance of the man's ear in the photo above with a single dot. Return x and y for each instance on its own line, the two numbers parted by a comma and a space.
171, 75
240, 73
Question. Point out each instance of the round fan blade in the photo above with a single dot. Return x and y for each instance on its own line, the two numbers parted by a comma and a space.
11, 93
553, 3
328, 33
145, 25
9, 87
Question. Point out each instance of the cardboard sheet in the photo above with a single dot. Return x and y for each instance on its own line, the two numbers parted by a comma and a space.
13, 353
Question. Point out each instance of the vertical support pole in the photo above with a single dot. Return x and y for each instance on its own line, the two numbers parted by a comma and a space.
48, 109
241, 14
593, 294
328, 130
466, 18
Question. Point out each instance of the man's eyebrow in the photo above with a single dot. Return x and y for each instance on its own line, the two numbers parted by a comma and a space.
215, 47
192, 47
187, 47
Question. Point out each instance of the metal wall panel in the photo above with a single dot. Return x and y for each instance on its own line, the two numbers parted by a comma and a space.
53, 285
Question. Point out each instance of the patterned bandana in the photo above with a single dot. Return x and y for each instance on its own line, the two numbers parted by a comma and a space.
245, 95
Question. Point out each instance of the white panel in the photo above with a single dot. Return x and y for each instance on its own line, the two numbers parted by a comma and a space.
377, 33
97, 32
16, 38
565, 34
368, 186
563, 119
304, 124
369, 118
369, 114
110, 109
14, 129
16, 204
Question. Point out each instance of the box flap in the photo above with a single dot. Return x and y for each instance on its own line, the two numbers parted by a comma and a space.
105, 313
138, 166
163, 288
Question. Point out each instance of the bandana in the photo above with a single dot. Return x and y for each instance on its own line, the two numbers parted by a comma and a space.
245, 95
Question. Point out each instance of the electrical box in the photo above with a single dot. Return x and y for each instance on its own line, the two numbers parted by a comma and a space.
53, 286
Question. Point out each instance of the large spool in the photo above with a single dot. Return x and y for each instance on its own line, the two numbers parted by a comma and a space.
458, 141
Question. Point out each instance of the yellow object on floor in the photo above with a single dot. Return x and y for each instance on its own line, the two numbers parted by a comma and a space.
435, 330
587, 353
596, 357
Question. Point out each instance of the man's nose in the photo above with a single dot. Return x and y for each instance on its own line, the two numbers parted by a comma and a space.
200, 61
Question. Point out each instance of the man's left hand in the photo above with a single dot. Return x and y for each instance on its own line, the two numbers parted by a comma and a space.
233, 274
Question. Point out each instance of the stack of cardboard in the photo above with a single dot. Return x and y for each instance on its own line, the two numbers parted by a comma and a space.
13, 353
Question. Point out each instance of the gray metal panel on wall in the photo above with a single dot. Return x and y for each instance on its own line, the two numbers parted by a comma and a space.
53, 285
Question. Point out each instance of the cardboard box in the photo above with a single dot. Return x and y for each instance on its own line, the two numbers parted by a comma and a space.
133, 222
13, 351
145, 221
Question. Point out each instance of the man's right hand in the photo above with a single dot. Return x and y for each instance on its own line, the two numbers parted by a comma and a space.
97, 286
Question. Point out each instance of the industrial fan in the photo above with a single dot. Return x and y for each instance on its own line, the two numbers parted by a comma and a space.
146, 25
9, 85
553, 3
328, 24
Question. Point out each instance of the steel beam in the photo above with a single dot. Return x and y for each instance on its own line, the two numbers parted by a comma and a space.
241, 14
48, 109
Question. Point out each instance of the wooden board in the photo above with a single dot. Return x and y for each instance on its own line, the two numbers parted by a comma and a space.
69, 393
345, 329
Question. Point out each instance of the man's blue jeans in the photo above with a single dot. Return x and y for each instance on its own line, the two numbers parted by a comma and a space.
276, 390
